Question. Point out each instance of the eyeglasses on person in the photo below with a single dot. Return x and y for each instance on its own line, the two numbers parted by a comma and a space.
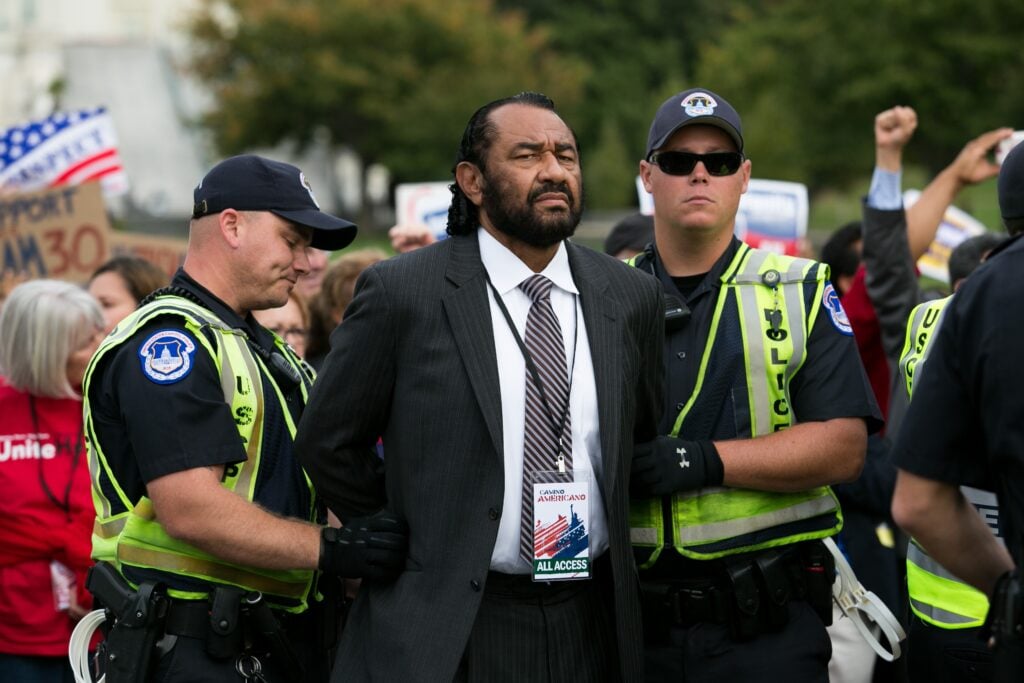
683, 163
293, 332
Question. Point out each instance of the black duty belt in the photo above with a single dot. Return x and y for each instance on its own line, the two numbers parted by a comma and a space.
748, 593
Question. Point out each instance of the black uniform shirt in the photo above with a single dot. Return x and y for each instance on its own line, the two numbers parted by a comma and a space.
966, 422
148, 430
830, 384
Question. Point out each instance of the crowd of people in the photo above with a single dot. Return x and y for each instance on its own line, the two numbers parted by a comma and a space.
502, 456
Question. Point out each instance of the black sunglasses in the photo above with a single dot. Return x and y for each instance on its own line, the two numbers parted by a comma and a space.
683, 163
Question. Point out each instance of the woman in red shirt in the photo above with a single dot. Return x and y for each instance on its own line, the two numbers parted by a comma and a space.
48, 332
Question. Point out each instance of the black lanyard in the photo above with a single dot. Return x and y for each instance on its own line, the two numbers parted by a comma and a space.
64, 505
558, 426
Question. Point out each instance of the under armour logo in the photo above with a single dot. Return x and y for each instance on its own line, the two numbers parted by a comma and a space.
683, 462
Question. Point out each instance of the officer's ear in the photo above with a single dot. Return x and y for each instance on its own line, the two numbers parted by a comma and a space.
230, 223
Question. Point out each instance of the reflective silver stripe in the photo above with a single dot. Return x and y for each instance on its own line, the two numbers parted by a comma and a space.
793, 294
939, 614
738, 527
245, 479
920, 558
758, 374
792, 291
750, 275
644, 535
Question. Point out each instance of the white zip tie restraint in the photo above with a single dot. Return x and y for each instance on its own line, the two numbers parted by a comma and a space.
865, 608
78, 647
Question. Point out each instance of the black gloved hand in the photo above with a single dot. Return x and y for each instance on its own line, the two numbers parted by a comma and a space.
667, 465
372, 547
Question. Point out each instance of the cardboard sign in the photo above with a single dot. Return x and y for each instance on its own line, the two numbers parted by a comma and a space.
772, 214
166, 253
61, 233
424, 203
956, 226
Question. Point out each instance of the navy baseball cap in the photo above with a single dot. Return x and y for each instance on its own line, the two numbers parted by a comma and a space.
253, 183
693, 106
1011, 184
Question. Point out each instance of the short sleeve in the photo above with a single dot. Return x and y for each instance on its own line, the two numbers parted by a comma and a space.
165, 406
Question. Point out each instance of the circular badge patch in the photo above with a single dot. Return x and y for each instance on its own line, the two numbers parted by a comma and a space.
699, 104
835, 311
167, 356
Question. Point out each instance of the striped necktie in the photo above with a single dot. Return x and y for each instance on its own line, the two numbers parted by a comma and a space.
545, 404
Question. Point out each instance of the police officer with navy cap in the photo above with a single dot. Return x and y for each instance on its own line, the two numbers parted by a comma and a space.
767, 405
966, 426
209, 535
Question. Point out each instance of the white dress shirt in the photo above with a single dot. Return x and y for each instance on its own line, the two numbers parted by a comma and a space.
506, 272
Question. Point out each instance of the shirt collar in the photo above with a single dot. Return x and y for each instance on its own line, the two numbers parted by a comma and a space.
711, 279
219, 308
507, 271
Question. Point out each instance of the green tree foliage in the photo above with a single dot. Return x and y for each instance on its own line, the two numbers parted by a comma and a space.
640, 53
396, 80
808, 78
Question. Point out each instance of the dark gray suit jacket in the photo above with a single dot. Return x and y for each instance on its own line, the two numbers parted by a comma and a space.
414, 362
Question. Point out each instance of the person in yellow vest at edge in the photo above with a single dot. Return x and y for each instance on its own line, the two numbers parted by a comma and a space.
767, 405
208, 533
945, 640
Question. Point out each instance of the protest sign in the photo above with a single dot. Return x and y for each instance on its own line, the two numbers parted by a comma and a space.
166, 253
773, 215
956, 226
65, 148
61, 233
423, 203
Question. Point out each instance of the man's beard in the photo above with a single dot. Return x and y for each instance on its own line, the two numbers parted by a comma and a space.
525, 222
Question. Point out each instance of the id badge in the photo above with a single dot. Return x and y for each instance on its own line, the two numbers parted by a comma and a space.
561, 528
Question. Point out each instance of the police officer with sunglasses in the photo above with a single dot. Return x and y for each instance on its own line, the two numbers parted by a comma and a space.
767, 404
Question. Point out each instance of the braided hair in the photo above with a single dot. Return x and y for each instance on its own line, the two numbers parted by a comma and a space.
463, 215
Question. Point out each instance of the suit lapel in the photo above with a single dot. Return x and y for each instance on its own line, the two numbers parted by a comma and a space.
469, 315
602, 331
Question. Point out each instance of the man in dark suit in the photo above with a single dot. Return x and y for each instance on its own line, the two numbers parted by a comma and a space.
439, 355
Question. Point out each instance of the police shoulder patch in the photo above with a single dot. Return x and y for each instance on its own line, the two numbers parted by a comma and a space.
167, 356
835, 311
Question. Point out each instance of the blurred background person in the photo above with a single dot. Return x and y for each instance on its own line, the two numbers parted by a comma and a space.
48, 332
121, 283
8, 282
289, 322
309, 283
629, 236
328, 307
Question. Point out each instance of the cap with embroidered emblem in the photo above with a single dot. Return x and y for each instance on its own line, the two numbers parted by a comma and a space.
254, 183
694, 106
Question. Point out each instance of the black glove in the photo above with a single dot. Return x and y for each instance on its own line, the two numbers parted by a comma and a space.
372, 547
667, 465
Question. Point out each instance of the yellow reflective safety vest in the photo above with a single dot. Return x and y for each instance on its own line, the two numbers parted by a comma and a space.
128, 533
764, 293
937, 596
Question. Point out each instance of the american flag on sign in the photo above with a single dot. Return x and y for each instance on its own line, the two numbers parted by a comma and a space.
65, 148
